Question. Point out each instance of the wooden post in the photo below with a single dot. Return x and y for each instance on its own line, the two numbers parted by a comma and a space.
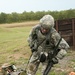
73, 33
57, 25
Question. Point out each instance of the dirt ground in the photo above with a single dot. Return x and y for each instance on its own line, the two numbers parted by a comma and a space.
67, 64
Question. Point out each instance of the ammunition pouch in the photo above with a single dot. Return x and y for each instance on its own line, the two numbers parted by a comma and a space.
43, 57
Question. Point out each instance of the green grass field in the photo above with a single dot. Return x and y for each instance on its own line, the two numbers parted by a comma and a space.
13, 44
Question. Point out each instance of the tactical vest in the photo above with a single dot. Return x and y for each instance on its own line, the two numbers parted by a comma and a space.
47, 44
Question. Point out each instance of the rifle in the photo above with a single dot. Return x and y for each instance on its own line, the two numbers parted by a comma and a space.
51, 56
24, 71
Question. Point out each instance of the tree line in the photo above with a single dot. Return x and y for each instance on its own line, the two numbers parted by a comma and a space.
29, 16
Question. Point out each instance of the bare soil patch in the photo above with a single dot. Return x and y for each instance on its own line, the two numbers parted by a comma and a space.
23, 24
67, 64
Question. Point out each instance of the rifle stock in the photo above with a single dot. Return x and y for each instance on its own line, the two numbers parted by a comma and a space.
48, 68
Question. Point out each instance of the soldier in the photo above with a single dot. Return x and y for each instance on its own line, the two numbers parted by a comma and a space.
9, 69
42, 40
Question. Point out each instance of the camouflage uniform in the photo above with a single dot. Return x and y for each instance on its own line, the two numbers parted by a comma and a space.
52, 38
9, 69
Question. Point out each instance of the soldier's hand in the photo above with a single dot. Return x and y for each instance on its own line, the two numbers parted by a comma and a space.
34, 48
55, 60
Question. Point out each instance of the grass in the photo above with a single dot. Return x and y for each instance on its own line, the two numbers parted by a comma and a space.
13, 41
14, 46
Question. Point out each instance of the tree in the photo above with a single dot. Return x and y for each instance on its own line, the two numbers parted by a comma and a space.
3, 17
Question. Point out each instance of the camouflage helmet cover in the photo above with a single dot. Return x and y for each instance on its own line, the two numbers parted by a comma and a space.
5, 65
47, 21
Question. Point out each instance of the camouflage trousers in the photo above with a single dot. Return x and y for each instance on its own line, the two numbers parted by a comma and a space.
34, 64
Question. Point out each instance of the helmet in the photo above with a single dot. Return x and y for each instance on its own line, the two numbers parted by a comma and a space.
47, 21
5, 65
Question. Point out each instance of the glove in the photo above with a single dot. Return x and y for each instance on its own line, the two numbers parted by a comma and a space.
33, 48
55, 60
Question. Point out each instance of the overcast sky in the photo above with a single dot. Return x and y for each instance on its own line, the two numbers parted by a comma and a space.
19, 6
